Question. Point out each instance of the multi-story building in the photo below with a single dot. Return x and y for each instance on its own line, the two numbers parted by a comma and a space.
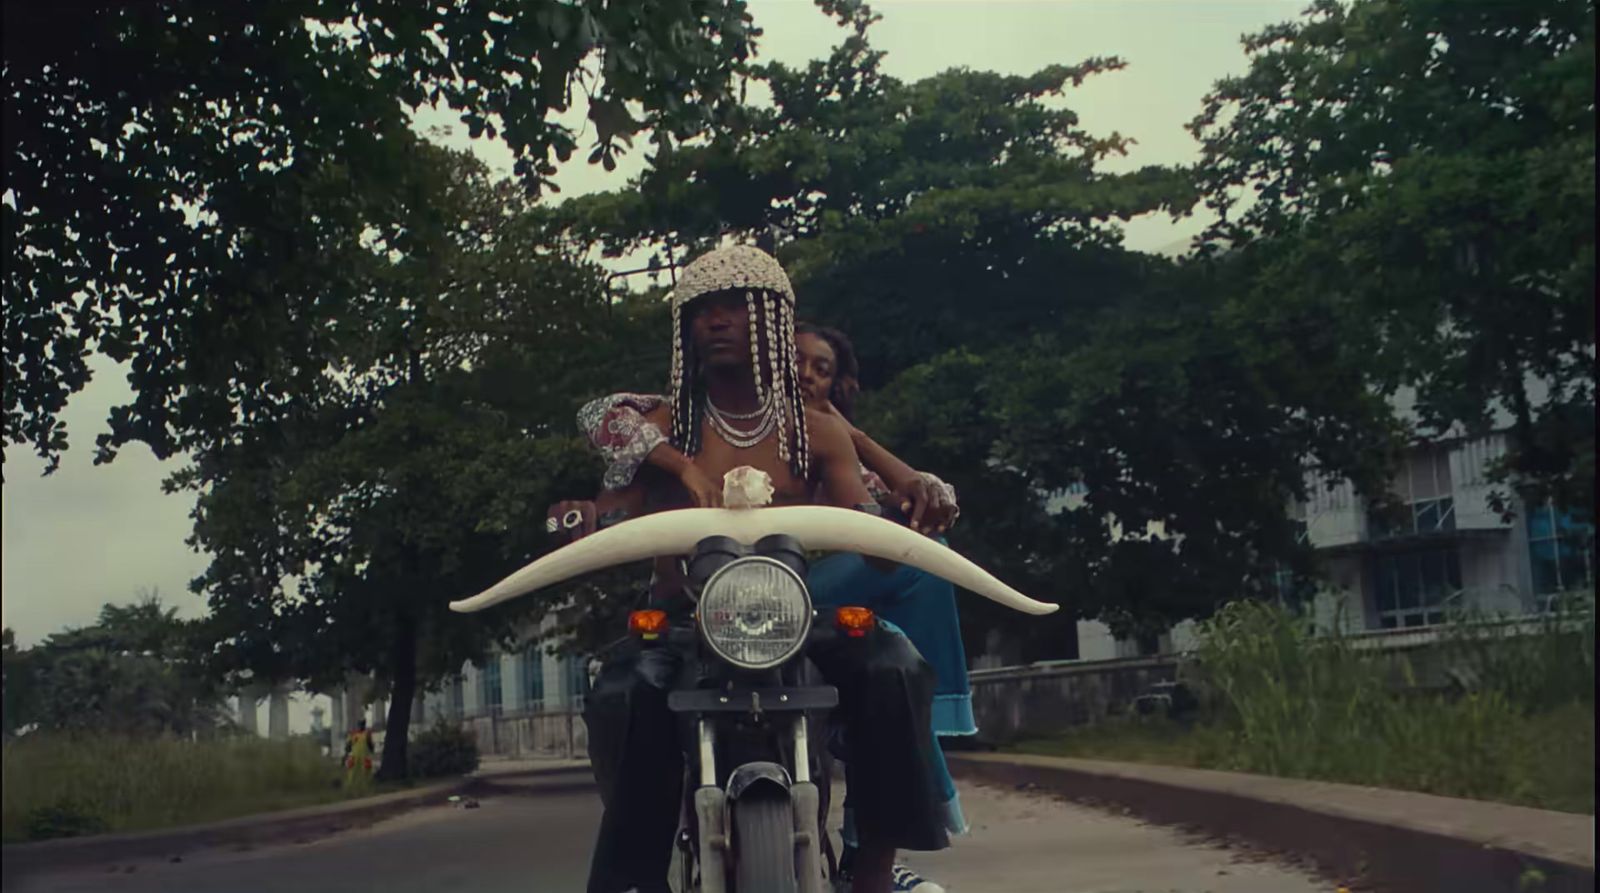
1450, 550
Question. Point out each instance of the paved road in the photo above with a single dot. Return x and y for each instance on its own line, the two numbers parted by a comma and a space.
535, 835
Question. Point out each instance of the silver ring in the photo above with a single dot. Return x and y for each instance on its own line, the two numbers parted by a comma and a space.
551, 525
572, 519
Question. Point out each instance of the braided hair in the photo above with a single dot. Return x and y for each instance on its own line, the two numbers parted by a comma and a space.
777, 378
846, 371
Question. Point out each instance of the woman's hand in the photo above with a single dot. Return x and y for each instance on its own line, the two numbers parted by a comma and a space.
703, 491
927, 507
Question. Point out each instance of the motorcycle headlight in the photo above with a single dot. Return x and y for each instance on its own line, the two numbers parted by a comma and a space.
755, 613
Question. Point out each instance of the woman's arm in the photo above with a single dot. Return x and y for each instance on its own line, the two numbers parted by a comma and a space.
932, 502
894, 472
627, 429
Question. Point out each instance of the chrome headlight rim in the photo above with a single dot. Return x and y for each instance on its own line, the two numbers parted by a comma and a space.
806, 615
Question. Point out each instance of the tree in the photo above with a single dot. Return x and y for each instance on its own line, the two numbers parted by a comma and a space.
341, 526
1141, 470
961, 230
150, 148
1423, 173
21, 695
134, 671
964, 199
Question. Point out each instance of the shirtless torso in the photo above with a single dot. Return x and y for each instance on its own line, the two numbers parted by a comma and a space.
833, 466
834, 472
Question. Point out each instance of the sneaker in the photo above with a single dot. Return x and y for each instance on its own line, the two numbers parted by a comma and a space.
908, 881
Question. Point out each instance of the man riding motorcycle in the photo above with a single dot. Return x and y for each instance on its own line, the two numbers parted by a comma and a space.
736, 402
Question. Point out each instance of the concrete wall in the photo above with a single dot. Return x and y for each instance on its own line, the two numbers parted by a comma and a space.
526, 735
1047, 697
1036, 700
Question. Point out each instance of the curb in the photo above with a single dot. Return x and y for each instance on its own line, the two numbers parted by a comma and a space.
248, 832
1381, 839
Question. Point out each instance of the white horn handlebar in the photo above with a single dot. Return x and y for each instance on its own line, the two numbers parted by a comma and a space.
817, 527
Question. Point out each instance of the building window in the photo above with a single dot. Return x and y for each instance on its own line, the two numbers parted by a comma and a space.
1423, 486
576, 673
533, 679
489, 686
1416, 588
1561, 549
458, 698
1289, 589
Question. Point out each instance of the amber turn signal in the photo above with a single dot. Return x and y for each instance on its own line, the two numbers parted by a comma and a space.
854, 622
647, 624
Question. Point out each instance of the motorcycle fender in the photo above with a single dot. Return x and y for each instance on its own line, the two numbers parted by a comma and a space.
808, 848
711, 812
749, 774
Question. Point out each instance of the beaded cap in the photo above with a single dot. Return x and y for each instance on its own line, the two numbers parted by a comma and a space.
737, 266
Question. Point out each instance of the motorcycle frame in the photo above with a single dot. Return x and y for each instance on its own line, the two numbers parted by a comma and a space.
765, 698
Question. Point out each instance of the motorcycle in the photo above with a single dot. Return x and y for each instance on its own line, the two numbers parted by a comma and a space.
753, 822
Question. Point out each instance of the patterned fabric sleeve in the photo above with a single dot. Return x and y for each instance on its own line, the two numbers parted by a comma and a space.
615, 425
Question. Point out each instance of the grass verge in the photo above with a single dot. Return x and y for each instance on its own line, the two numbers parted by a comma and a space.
1551, 758
1515, 723
59, 786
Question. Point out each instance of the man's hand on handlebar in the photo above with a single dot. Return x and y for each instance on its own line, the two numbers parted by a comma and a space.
571, 520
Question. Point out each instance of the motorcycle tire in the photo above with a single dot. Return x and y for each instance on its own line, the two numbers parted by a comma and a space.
763, 828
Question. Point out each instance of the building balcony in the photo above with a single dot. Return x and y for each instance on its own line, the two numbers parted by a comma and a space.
1430, 522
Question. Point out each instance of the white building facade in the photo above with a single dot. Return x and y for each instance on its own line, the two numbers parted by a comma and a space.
1450, 551
522, 703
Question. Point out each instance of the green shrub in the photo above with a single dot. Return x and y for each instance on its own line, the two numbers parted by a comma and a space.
1537, 669
1293, 700
443, 750
1284, 701
64, 818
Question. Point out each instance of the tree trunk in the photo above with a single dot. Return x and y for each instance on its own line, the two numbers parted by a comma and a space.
403, 691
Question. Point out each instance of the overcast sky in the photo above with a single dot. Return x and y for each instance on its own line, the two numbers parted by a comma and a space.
87, 535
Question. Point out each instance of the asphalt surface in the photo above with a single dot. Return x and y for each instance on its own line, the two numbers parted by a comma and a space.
535, 834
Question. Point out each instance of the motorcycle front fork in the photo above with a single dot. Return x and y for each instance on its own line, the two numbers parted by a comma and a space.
711, 816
